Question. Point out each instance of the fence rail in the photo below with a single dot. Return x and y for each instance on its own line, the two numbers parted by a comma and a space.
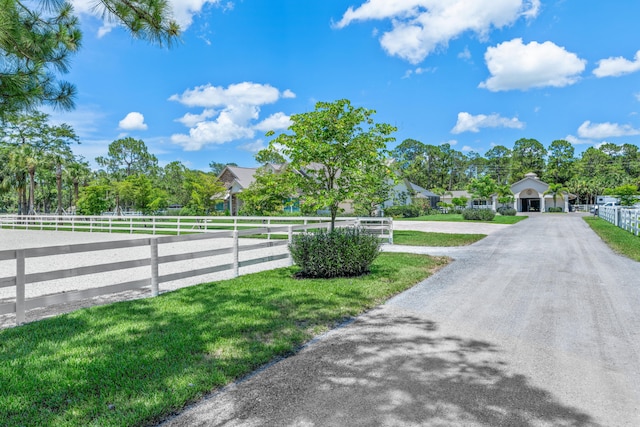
178, 224
233, 228
627, 219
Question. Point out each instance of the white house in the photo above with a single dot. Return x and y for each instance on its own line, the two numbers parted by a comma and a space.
529, 195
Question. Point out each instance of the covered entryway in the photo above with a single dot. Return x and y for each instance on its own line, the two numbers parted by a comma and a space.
530, 205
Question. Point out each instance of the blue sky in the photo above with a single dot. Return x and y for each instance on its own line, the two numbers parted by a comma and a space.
471, 73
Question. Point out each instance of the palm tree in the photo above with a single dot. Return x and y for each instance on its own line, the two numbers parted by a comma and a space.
554, 190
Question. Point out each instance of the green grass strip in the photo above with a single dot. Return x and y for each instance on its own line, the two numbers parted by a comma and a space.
134, 362
621, 241
499, 219
421, 238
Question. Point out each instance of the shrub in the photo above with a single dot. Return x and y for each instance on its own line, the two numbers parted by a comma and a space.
556, 209
505, 211
405, 211
343, 252
478, 214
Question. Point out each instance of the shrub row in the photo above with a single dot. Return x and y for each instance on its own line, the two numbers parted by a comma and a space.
343, 252
556, 209
478, 214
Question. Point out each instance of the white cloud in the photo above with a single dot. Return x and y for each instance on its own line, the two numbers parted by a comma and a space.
133, 121
253, 147
514, 65
605, 130
577, 141
465, 54
422, 26
466, 149
238, 109
288, 94
637, 95
469, 123
183, 11
190, 120
246, 93
614, 67
275, 121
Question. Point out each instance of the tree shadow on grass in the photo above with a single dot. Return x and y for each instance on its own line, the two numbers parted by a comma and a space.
388, 370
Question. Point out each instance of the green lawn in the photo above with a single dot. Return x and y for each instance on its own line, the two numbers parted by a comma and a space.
421, 238
619, 240
499, 219
134, 362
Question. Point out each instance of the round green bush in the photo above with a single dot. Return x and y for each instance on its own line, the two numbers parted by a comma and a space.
343, 252
507, 211
478, 214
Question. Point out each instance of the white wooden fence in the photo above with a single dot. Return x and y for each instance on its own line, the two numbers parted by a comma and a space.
22, 279
178, 225
627, 219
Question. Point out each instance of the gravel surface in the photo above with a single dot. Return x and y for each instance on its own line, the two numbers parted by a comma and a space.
17, 239
536, 325
450, 227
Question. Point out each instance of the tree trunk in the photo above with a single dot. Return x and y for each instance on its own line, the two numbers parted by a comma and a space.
32, 190
59, 187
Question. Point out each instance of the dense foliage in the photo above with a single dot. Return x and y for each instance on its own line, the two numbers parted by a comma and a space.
341, 252
442, 168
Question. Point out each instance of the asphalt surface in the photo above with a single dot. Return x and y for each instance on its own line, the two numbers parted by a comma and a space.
538, 324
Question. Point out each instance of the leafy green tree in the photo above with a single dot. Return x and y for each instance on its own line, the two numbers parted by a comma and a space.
560, 162
38, 37
95, 199
205, 191
137, 191
505, 195
269, 156
128, 156
527, 156
269, 194
555, 189
172, 180
460, 202
336, 153
482, 188
627, 193
499, 164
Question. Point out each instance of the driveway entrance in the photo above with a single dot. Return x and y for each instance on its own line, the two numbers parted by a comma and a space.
535, 325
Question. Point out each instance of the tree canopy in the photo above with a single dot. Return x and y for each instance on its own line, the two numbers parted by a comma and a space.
336, 154
38, 38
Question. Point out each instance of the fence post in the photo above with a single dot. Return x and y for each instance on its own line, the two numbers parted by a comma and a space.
236, 255
178, 225
155, 289
20, 284
391, 230
290, 238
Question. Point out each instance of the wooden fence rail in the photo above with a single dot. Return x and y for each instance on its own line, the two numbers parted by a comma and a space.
21, 279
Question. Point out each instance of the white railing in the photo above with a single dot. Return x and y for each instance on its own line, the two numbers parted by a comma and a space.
178, 225
627, 219
21, 278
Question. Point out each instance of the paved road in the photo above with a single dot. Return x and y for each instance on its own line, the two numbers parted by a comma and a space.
535, 325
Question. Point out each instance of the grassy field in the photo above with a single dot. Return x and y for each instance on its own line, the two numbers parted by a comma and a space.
134, 362
499, 219
619, 240
421, 238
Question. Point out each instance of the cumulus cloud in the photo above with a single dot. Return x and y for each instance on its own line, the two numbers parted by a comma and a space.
133, 121
605, 130
275, 121
419, 27
183, 11
514, 65
229, 113
614, 67
469, 123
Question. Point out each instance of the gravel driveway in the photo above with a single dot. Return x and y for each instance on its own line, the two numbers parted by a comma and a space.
538, 324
